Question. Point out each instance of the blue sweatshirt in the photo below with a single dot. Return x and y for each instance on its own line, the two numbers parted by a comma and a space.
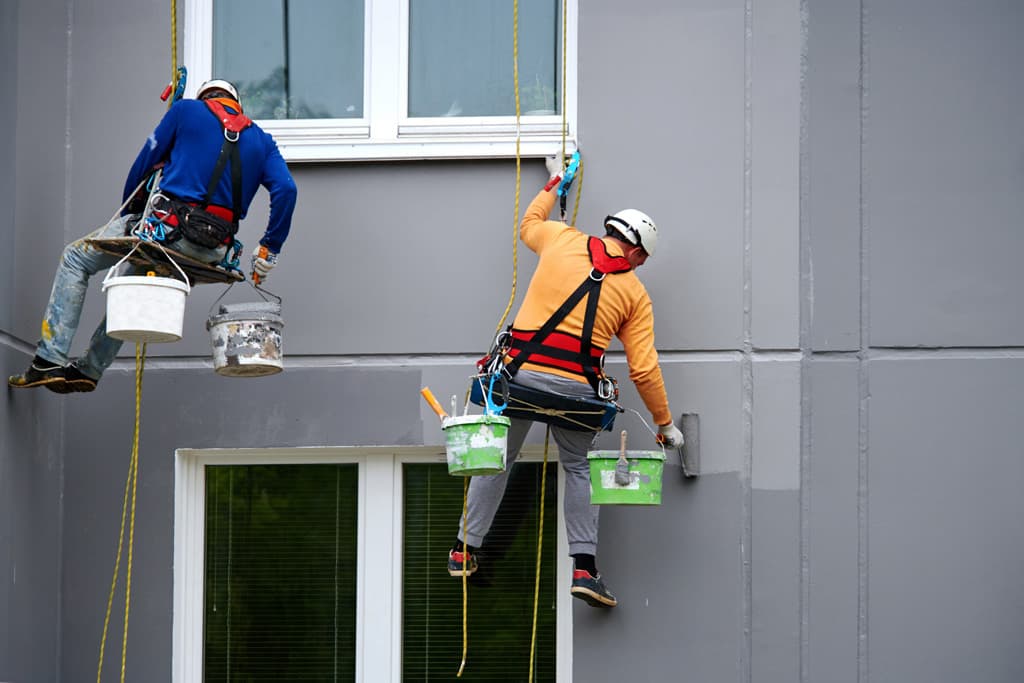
188, 139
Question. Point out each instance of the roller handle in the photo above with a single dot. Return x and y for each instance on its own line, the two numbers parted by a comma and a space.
263, 252
622, 466
428, 396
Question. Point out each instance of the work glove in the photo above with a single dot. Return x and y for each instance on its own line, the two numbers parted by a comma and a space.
670, 436
554, 164
562, 174
263, 261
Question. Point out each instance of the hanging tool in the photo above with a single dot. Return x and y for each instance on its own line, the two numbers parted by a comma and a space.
622, 466
177, 86
435, 405
568, 176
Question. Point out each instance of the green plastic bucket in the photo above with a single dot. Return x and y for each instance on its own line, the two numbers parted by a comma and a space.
644, 487
476, 444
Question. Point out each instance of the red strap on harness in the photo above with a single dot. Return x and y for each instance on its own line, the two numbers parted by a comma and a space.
558, 350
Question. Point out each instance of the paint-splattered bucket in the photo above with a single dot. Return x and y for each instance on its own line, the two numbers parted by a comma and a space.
476, 444
246, 339
145, 308
644, 484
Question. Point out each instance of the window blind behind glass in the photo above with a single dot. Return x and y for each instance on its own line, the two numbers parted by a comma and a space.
280, 578
500, 593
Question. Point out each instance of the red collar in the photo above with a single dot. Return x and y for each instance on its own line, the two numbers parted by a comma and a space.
235, 123
604, 262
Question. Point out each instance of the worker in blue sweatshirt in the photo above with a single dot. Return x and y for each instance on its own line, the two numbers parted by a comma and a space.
212, 161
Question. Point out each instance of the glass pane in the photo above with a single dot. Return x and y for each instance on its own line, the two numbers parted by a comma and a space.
460, 58
280, 576
292, 59
500, 596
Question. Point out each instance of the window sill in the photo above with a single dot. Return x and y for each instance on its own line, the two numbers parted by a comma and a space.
426, 140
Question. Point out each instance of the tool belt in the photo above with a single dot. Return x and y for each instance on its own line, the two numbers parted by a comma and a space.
576, 413
211, 227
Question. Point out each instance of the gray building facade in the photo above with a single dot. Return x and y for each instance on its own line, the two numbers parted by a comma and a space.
839, 187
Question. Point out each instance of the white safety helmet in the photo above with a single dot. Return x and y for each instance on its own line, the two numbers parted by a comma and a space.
635, 227
217, 84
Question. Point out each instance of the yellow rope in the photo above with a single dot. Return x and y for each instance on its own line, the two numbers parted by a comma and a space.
174, 41
515, 211
565, 125
130, 486
465, 558
540, 546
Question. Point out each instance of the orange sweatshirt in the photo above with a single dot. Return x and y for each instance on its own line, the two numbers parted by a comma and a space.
624, 308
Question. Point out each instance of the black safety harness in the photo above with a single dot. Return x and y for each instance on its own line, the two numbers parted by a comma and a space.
196, 221
549, 348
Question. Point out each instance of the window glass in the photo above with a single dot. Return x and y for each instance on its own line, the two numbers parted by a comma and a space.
280, 577
460, 58
292, 59
500, 595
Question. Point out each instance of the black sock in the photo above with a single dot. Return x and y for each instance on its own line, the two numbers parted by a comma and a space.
460, 547
586, 562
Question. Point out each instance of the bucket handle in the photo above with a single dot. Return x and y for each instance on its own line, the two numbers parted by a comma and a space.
259, 290
654, 433
111, 271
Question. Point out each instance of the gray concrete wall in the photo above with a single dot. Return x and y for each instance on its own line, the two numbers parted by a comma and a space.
838, 187
31, 427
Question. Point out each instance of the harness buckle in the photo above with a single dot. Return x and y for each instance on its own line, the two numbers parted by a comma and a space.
229, 133
594, 271
608, 389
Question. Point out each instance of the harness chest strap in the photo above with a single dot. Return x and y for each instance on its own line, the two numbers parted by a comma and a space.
233, 124
548, 347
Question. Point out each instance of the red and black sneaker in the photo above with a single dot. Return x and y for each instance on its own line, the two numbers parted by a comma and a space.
460, 563
591, 589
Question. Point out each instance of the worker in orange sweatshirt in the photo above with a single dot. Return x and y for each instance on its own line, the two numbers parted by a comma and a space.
560, 362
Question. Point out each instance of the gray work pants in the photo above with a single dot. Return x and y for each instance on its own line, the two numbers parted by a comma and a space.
485, 492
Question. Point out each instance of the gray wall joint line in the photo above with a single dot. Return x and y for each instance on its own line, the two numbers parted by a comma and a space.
746, 545
806, 313
862, 369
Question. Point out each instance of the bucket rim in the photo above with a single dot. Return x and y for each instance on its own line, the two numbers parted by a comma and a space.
630, 455
262, 318
459, 420
155, 280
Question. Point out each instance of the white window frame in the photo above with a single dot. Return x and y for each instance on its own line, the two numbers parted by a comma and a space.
379, 534
385, 132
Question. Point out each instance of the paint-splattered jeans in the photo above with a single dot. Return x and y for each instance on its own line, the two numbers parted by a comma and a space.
486, 492
79, 262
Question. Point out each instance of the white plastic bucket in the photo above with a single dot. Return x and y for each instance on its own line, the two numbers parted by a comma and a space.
145, 308
246, 339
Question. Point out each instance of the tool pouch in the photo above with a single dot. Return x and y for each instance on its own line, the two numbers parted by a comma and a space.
203, 228
576, 413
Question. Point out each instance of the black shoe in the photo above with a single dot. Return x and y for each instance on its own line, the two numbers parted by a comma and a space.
76, 380
591, 589
41, 373
459, 563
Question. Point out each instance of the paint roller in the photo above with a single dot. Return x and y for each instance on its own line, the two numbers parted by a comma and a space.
622, 466
428, 396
